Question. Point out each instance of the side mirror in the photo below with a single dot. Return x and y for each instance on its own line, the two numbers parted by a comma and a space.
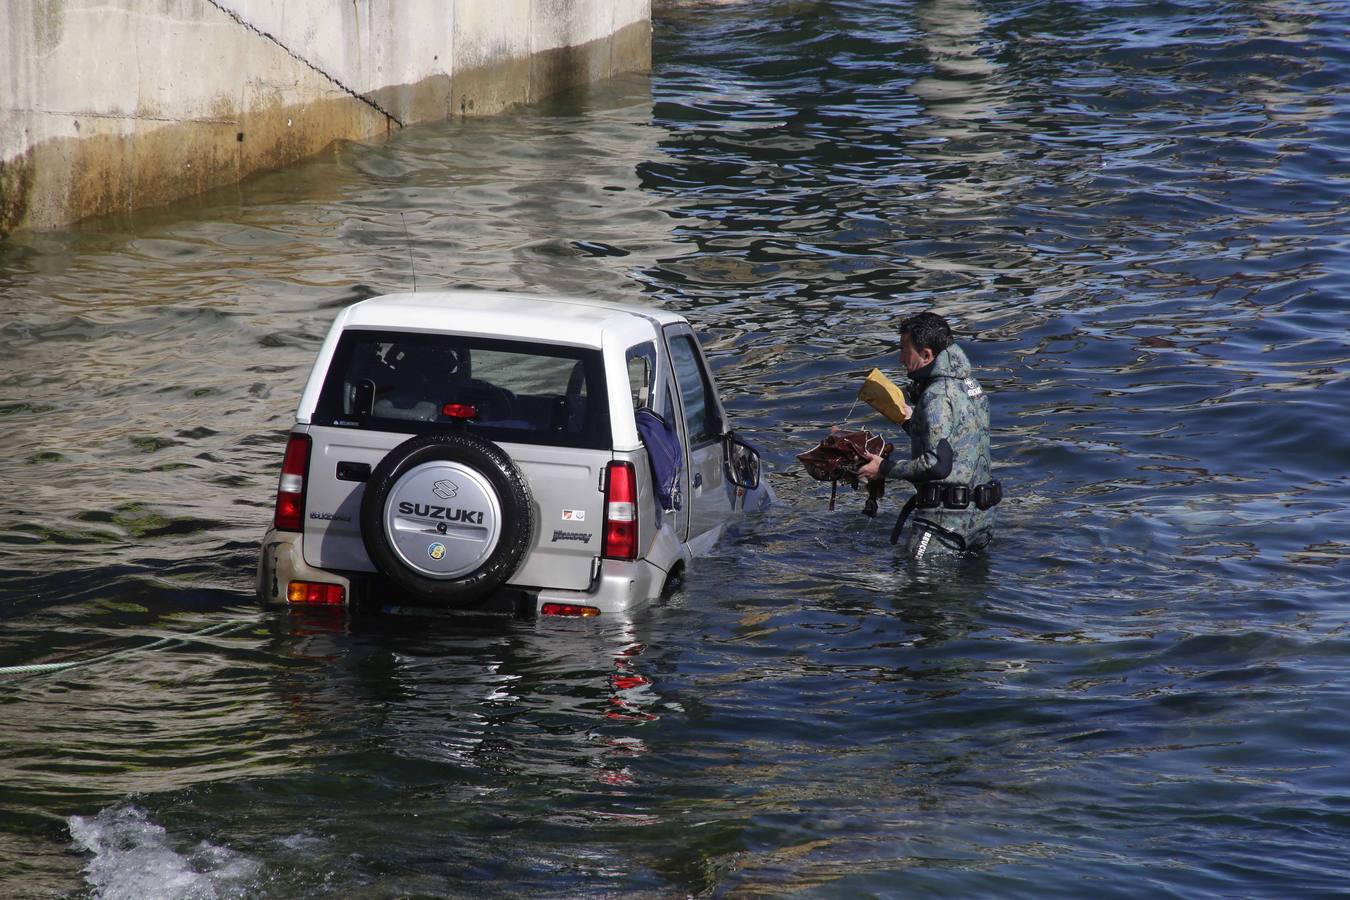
742, 462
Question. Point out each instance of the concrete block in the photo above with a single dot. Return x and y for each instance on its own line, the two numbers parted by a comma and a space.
110, 105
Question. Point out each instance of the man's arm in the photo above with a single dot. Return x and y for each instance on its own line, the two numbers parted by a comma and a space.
934, 462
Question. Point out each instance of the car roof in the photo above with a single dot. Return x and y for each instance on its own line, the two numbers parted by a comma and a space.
578, 321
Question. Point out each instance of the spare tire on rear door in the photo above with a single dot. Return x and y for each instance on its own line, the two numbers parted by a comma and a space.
447, 517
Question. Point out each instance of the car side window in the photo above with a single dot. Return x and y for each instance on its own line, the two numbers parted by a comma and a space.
641, 373
700, 409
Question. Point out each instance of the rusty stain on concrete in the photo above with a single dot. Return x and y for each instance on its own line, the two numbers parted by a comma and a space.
66, 179
426, 101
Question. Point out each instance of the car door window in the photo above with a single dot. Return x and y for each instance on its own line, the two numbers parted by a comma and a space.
700, 410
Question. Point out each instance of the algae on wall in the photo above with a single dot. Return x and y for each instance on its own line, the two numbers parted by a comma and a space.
16, 185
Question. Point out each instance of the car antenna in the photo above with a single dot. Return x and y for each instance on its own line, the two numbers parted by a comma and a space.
408, 238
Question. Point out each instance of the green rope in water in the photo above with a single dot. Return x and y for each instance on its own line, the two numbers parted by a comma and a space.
39, 668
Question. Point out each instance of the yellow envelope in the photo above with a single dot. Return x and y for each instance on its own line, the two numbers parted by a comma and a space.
881, 394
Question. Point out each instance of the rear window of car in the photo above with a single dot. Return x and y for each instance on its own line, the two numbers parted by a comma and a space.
510, 390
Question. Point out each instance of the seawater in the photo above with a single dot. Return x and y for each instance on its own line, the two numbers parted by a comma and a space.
1135, 215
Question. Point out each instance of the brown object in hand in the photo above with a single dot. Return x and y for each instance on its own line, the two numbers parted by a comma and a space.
838, 457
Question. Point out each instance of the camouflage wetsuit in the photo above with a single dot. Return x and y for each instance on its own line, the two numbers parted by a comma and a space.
949, 443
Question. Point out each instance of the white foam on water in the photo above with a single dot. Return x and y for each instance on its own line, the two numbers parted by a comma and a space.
134, 858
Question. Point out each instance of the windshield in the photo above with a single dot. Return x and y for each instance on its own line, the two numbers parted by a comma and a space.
503, 390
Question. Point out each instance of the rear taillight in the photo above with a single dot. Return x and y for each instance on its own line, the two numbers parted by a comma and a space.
290, 514
316, 592
621, 525
568, 609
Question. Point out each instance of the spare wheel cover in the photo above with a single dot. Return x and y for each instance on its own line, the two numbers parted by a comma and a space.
429, 491
442, 519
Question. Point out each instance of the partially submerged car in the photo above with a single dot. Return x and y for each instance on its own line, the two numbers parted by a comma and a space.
569, 456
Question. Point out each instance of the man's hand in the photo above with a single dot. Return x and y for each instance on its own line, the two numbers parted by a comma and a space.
870, 469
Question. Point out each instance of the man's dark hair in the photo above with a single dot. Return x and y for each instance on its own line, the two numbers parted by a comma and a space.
927, 331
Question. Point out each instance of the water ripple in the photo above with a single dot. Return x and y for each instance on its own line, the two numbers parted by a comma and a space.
1134, 215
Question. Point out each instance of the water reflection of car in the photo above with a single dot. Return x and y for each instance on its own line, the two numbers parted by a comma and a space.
548, 705
458, 447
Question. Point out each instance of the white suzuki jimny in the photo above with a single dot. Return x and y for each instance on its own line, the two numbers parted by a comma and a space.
456, 447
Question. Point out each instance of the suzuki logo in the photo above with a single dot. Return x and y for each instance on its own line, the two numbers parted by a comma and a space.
445, 489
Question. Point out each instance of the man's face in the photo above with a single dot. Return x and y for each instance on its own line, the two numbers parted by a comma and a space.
913, 360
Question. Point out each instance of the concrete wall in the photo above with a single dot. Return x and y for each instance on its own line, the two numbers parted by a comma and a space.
110, 105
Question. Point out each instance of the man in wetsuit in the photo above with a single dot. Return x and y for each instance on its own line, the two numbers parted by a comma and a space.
954, 507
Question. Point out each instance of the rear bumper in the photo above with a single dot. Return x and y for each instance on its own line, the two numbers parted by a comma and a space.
280, 562
621, 585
